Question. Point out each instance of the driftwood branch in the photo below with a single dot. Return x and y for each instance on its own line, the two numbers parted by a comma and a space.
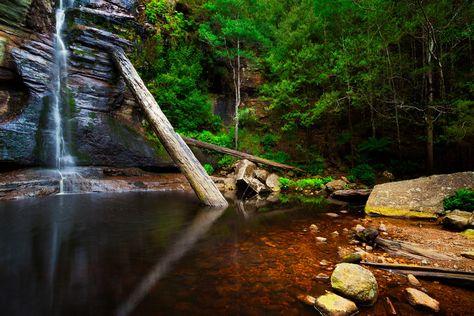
465, 277
184, 158
235, 153
406, 249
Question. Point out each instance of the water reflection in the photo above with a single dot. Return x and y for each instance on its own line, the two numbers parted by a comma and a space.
199, 226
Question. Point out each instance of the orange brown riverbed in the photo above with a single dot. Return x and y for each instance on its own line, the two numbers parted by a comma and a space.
161, 254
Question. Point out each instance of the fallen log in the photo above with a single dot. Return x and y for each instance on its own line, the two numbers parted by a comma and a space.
395, 266
451, 275
231, 152
406, 249
184, 158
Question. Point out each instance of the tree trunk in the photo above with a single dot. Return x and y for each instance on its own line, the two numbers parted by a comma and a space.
200, 181
429, 111
237, 86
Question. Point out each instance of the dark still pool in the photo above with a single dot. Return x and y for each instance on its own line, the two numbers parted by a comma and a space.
163, 254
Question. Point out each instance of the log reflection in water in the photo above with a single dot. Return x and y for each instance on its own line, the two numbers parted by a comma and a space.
199, 226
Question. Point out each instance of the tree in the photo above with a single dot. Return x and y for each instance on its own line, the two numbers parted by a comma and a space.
231, 33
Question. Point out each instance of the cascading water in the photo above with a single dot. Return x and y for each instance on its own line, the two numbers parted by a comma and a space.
63, 160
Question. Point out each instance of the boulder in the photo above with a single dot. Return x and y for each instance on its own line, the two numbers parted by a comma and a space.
352, 195
335, 185
261, 174
244, 169
422, 300
334, 305
355, 282
273, 182
418, 198
458, 220
367, 235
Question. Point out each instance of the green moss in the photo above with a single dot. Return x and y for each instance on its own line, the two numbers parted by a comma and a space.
3, 42
13, 12
395, 212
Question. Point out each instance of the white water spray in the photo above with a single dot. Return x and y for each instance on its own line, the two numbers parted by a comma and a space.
63, 160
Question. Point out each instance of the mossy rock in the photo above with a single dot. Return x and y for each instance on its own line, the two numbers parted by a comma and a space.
355, 282
13, 12
468, 233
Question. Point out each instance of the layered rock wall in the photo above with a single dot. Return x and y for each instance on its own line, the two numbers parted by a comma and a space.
105, 123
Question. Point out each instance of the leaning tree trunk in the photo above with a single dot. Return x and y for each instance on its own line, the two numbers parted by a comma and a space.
200, 181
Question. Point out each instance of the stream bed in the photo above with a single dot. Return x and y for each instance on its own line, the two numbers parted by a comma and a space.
163, 254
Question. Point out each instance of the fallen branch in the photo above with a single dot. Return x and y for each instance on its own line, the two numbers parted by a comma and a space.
456, 276
239, 154
406, 249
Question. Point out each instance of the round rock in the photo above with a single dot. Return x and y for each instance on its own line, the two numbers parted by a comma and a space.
355, 282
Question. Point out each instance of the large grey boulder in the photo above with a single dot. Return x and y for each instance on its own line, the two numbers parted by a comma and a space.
419, 198
355, 282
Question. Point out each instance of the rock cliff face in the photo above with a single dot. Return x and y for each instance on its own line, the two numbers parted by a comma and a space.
106, 125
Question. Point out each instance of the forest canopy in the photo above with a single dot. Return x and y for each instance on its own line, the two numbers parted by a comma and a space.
385, 85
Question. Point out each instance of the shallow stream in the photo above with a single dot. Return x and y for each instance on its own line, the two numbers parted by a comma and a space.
163, 254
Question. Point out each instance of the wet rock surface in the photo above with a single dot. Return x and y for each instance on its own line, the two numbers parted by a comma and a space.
105, 123
43, 182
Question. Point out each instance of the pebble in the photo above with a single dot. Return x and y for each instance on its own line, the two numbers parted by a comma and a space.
324, 262
343, 212
335, 233
321, 239
369, 248
354, 242
359, 228
322, 276
345, 230
385, 233
332, 214
425, 262
413, 280
382, 227
313, 228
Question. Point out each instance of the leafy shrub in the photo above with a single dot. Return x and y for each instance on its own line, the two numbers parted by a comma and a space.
247, 117
226, 161
285, 183
279, 156
304, 184
463, 199
223, 139
209, 169
364, 173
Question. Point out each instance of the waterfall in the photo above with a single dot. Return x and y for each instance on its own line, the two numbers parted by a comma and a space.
63, 160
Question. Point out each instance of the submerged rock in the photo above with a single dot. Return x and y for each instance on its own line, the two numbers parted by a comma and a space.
413, 280
261, 174
355, 257
420, 299
355, 282
419, 198
334, 305
307, 299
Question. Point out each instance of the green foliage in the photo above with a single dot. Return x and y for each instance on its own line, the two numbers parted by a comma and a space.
363, 173
463, 199
226, 161
223, 139
209, 169
304, 184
